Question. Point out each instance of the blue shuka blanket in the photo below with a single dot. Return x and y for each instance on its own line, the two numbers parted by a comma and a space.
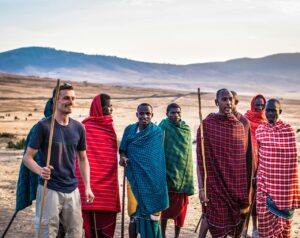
146, 172
28, 181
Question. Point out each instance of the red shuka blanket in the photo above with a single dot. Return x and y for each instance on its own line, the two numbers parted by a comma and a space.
255, 119
278, 164
102, 148
226, 171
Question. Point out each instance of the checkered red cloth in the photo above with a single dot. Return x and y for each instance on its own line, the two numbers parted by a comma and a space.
248, 147
226, 172
102, 148
278, 164
270, 225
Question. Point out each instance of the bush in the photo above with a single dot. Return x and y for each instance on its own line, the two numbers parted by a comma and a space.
18, 145
7, 135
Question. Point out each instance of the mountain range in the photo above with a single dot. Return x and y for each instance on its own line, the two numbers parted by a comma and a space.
274, 74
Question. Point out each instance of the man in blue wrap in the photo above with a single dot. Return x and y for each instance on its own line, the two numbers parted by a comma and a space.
142, 153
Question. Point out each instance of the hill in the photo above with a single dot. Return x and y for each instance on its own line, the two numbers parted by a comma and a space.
273, 75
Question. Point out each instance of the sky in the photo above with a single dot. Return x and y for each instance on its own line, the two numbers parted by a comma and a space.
162, 31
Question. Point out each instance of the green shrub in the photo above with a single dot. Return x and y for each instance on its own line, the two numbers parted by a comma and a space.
7, 135
18, 145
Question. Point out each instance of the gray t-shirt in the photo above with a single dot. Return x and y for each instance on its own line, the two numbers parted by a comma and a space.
67, 140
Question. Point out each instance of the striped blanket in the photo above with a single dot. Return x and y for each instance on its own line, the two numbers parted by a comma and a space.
277, 176
226, 172
178, 153
102, 146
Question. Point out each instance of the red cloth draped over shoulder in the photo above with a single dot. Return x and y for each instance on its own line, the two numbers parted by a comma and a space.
255, 119
102, 149
226, 171
278, 171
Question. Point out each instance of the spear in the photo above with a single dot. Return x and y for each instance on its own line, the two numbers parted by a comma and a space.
49, 154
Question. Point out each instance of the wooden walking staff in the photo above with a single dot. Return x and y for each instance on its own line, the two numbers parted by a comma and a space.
123, 204
49, 154
204, 161
202, 149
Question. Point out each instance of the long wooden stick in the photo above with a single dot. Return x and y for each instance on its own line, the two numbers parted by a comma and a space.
202, 150
196, 229
49, 154
123, 205
9, 224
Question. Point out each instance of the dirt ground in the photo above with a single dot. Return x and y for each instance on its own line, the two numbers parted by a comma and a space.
22, 103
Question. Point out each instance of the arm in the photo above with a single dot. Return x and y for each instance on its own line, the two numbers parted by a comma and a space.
30, 163
123, 159
85, 174
123, 148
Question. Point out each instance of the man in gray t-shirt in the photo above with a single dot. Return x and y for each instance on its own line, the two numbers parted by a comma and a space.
62, 200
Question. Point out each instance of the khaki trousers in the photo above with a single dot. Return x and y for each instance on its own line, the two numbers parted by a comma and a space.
59, 207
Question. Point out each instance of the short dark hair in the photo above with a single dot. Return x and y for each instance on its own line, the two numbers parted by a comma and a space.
219, 91
173, 105
274, 100
144, 104
104, 98
64, 86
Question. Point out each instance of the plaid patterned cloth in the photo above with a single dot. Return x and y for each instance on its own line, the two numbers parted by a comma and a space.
101, 151
278, 164
226, 172
179, 159
248, 148
277, 174
146, 173
270, 225
28, 181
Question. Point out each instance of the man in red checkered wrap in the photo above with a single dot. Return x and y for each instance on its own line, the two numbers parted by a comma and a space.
278, 190
224, 142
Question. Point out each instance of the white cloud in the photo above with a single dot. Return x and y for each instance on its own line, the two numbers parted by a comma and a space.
288, 7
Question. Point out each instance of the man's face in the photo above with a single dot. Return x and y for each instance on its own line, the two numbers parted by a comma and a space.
144, 115
174, 114
66, 101
234, 104
273, 111
225, 102
107, 109
259, 104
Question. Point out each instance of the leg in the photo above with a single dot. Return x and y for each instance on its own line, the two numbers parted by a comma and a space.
71, 214
163, 225
254, 222
52, 208
177, 231
132, 228
61, 231
203, 228
86, 224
